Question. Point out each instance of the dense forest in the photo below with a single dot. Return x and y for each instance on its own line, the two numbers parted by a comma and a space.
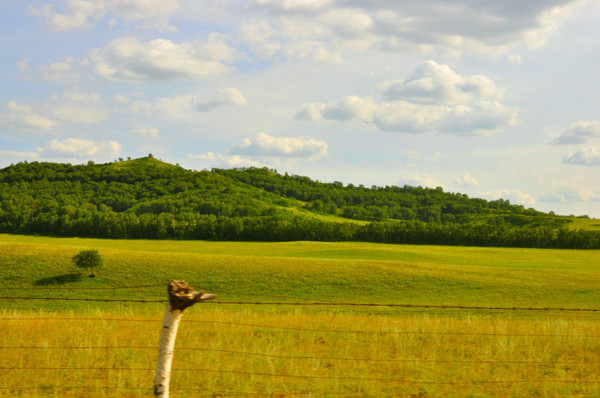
147, 198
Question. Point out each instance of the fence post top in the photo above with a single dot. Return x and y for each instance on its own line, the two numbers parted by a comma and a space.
182, 295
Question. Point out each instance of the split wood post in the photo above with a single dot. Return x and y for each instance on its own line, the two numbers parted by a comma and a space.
181, 296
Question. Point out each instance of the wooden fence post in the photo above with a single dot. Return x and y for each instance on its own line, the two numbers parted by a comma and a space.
181, 296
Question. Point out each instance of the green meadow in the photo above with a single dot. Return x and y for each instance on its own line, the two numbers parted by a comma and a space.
100, 349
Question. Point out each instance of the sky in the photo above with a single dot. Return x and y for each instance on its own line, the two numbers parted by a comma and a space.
493, 99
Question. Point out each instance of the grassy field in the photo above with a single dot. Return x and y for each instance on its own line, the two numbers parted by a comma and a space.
104, 349
590, 224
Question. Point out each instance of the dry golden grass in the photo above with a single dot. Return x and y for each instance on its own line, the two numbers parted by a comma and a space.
224, 352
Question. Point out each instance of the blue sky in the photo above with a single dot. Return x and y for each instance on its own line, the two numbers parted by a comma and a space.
494, 99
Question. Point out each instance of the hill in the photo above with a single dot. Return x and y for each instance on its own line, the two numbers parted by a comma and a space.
151, 199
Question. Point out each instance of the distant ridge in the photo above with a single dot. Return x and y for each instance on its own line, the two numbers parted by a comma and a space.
149, 198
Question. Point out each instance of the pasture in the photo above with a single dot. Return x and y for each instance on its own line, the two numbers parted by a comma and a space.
56, 348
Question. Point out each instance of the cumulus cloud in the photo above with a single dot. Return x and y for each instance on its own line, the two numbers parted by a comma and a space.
225, 96
435, 98
184, 106
266, 150
151, 14
514, 195
69, 106
569, 193
129, 60
145, 132
267, 145
433, 83
412, 154
424, 180
80, 148
23, 64
23, 117
578, 133
67, 70
227, 161
290, 38
588, 156
78, 14
466, 180
494, 27
18, 156
78, 107
82, 14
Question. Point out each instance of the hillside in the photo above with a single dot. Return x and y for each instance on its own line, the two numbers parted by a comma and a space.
151, 199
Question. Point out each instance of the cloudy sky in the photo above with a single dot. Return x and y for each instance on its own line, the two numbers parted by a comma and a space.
493, 99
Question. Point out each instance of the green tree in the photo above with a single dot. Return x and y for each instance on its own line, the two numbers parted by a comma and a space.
88, 259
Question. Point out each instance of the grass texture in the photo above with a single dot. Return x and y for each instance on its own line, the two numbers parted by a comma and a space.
53, 348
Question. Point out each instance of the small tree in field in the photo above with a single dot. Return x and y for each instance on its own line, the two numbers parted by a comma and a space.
88, 259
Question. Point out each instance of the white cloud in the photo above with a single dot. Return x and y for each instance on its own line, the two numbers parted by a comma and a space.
227, 161
588, 156
70, 106
18, 156
493, 27
180, 107
348, 22
515, 196
78, 107
24, 117
81, 14
145, 132
578, 133
293, 5
466, 180
66, 71
186, 106
23, 64
424, 180
290, 38
265, 151
570, 193
515, 59
412, 154
80, 148
347, 108
267, 145
129, 60
433, 99
224, 96
482, 118
153, 14
433, 83
121, 99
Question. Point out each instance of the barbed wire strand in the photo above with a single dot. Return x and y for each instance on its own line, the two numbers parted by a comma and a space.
343, 304
405, 360
53, 288
165, 284
82, 299
312, 377
256, 325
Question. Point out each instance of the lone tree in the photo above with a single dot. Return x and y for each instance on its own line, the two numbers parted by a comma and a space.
88, 259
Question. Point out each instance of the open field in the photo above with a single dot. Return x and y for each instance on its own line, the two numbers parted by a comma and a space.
590, 224
103, 349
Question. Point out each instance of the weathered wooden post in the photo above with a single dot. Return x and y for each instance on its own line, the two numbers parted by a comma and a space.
181, 296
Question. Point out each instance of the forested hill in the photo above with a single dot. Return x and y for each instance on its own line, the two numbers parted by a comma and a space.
147, 198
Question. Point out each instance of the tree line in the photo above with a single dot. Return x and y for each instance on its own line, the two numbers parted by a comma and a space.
148, 199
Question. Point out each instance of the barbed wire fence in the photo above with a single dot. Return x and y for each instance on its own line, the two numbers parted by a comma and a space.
283, 329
